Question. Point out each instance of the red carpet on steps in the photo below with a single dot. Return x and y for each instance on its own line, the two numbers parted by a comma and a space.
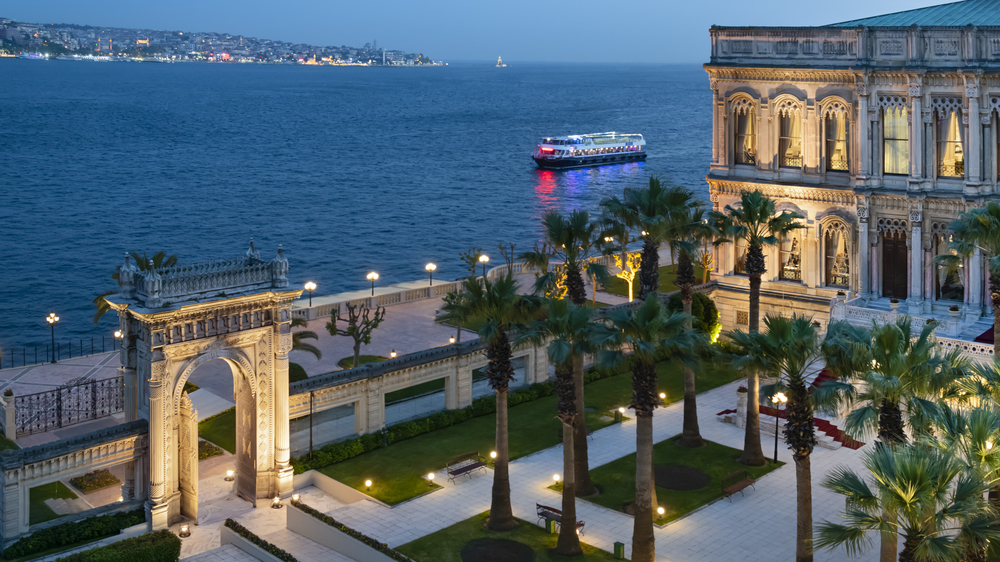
820, 424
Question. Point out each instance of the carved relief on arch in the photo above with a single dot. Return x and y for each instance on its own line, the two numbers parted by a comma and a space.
836, 107
890, 225
233, 355
743, 105
887, 101
787, 106
946, 105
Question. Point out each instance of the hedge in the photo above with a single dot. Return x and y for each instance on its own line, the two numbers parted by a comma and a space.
268, 547
89, 529
704, 311
482, 406
161, 546
379, 546
94, 481
207, 450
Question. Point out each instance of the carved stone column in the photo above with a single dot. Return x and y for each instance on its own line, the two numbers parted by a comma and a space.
864, 255
916, 137
973, 174
975, 288
915, 301
156, 506
876, 289
718, 146
281, 433
864, 132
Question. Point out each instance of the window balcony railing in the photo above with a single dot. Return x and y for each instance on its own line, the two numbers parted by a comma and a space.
837, 165
791, 162
954, 170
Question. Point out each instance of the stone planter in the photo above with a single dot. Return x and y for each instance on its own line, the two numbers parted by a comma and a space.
894, 306
842, 298
954, 313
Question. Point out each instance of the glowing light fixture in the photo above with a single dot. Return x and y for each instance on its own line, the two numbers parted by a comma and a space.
276, 503
295, 497
660, 511
484, 259
373, 277
430, 271
989, 445
430, 479
493, 454
555, 477
451, 339
310, 286
52, 319
230, 476
185, 531
368, 485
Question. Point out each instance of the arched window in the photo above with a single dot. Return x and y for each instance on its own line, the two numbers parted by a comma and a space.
950, 133
789, 135
837, 133
788, 256
745, 134
740, 267
895, 140
837, 255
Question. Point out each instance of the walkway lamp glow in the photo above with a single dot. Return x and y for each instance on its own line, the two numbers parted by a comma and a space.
484, 259
555, 477
430, 479
392, 354
276, 503
52, 319
430, 271
493, 455
295, 497
619, 415
451, 339
230, 476
373, 277
310, 286
663, 398
185, 531
778, 400
660, 511
368, 485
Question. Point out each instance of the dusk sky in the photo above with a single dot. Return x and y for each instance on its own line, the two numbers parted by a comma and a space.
663, 31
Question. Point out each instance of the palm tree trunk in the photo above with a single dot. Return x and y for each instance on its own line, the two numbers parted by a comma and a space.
690, 435
584, 486
569, 542
501, 514
888, 548
804, 522
649, 270
643, 541
890, 423
909, 552
752, 455
995, 298
575, 288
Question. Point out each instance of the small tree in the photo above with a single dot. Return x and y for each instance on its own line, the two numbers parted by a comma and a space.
471, 259
629, 269
360, 325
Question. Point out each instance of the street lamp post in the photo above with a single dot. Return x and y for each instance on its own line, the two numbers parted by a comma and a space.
373, 277
118, 336
52, 319
430, 271
484, 259
778, 400
310, 286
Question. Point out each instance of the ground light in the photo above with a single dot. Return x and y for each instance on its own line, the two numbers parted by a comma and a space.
556, 478
663, 398
619, 415
368, 485
493, 455
660, 511
276, 503
185, 531
295, 497
430, 479
230, 476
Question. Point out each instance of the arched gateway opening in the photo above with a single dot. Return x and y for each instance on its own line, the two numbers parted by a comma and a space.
174, 320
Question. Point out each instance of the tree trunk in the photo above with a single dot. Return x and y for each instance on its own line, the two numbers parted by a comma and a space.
575, 288
643, 541
501, 514
995, 298
753, 455
649, 270
690, 435
357, 353
569, 542
584, 486
888, 550
804, 523
909, 552
890, 423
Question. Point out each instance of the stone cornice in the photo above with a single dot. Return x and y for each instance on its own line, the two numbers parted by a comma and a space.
772, 74
801, 193
208, 309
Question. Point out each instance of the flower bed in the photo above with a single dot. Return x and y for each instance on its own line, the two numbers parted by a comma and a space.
93, 481
263, 544
207, 450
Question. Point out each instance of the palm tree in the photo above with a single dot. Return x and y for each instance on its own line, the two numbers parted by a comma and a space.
788, 351
575, 240
650, 334
686, 228
924, 495
159, 259
567, 329
979, 228
500, 306
647, 210
297, 337
756, 222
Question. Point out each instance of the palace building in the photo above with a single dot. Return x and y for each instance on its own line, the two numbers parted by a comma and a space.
880, 131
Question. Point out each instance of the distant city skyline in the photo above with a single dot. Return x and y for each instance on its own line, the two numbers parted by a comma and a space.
654, 31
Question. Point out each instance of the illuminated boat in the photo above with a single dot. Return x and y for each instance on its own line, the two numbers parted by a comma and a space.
597, 149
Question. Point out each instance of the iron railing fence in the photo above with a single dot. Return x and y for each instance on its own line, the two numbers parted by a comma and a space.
68, 405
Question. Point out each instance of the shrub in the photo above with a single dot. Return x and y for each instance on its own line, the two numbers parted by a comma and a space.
94, 481
381, 547
161, 546
268, 547
89, 529
8, 392
296, 373
207, 450
704, 311
726, 346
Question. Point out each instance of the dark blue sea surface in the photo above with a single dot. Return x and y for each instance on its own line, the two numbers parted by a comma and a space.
351, 169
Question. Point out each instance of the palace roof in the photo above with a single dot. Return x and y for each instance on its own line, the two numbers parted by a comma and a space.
980, 13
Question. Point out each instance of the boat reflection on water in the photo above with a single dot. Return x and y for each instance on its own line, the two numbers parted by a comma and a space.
584, 188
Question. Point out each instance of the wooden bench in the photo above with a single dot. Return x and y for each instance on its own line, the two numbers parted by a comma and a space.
546, 512
465, 465
736, 482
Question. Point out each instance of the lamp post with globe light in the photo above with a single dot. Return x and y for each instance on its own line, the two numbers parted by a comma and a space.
484, 259
373, 277
310, 286
778, 400
118, 336
430, 271
52, 319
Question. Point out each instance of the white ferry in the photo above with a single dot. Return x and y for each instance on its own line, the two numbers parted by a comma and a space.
597, 149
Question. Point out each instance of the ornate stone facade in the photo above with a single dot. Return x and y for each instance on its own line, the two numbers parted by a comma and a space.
822, 120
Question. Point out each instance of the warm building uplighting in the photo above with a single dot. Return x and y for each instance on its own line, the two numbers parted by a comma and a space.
185, 531
295, 497
276, 503
230, 476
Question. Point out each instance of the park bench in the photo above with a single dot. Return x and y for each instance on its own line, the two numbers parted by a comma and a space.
736, 482
546, 512
465, 465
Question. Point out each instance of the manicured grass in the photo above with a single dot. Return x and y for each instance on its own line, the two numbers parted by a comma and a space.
7, 444
446, 544
396, 471
220, 429
348, 362
617, 286
39, 512
190, 387
296, 372
616, 480
411, 391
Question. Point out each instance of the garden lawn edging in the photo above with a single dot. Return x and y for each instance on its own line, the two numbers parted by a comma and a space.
327, 531
84, 530
239, 536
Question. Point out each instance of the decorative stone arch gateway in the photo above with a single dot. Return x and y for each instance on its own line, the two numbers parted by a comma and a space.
174, 320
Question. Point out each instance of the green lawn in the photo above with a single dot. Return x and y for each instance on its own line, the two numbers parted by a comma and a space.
348, 362
220, 429
446, 544
396, 471
296, 373
616, 480
617, 286
7, 444
39, 512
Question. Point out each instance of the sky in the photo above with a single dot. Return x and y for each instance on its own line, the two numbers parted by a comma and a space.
609, 31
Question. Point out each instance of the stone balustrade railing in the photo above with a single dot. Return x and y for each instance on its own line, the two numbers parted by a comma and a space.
810, 46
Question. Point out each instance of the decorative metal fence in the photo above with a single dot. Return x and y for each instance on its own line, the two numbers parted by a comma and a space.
68, 405
12, 357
